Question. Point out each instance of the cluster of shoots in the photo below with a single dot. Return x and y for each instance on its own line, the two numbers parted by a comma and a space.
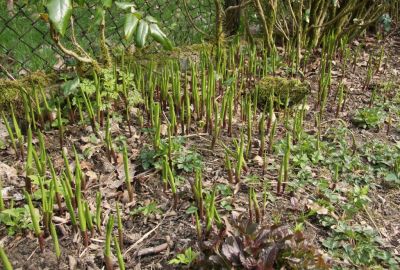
205, 96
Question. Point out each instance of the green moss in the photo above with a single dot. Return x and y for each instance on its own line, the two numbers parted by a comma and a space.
10, 90
282, 87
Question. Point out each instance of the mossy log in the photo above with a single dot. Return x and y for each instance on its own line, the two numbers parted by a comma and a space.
293, 89
10, 90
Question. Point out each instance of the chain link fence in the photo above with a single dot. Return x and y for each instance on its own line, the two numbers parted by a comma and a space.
26, 45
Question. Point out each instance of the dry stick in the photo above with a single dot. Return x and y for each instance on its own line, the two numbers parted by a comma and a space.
242, 5
260, 12
9, 75
73, 39
71, 53
373, 222
145, 236
153, 250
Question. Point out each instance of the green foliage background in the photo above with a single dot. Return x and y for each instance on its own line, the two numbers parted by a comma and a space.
26, 45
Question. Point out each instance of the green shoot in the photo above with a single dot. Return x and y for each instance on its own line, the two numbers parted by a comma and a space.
120, 258
249, 127
271, 137
11, 134
257, 211
54, 183
29, 159
89, 218
286, 159
98, 211
60, 125
156, 125
171, 179
340, 99
228, 165
198, 192
81, 208
120, 228
172, 114
68, 200
127, 176
198, 226
18, 133
108, 141
4, 260
53, 233
107, 252
239, 159
35, 221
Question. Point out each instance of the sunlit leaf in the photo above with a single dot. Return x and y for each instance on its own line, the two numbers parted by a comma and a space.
60, 12
131, 23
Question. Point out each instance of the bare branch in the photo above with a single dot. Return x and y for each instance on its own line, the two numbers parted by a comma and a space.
238, 6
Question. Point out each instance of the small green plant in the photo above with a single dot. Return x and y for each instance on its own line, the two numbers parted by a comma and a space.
189, 161
369, 117
359, 245
186, 258
147, 210
16, 219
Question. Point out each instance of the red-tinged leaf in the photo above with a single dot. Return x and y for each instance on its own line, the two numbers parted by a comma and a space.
231, 250
267, 258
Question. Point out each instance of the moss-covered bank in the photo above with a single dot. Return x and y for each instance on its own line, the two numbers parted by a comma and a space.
10, 89
282, 88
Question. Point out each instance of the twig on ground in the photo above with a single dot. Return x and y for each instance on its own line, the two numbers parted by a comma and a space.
33, 252
146, 235
373, 222
153, 250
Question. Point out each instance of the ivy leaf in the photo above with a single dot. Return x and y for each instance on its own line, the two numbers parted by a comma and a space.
98, 16
126, 5
160, 37
141, 33
107, 3
307, 16
151, 19
131, 23
70, 87
392, 177
60, 12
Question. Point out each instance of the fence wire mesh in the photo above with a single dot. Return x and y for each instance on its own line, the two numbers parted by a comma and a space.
26, 45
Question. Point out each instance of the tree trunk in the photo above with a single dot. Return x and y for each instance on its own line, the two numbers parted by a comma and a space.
232, 17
